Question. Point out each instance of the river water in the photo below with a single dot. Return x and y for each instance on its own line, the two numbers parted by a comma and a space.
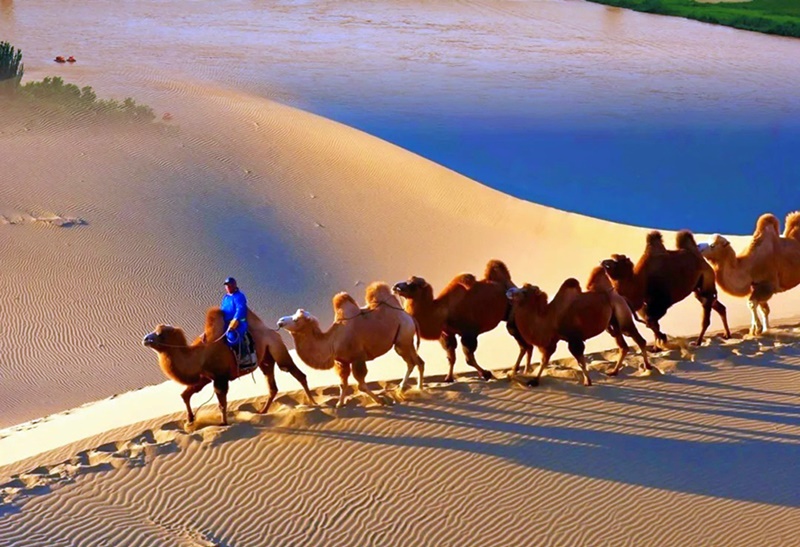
635, 118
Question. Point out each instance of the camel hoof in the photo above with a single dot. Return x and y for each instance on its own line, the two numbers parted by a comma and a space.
487, 375
587, 383
449, 379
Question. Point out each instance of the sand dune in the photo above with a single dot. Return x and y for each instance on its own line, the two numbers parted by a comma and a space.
288, 202
298, 207
704, 450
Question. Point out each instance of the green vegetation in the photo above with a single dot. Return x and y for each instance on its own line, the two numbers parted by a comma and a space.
70, 99
52, 96
11, 68
780, 17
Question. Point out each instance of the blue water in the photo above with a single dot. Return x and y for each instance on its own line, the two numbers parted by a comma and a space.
705, 176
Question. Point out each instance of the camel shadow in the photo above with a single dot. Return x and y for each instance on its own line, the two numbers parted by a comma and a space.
706, 468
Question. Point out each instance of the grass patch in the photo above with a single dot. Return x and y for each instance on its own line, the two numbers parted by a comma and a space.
781, 17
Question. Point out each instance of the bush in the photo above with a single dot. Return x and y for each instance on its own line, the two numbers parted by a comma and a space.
11, 67
75, 100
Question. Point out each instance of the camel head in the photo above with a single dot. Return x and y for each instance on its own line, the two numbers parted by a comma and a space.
415, 287
164, 336
527, 294
618, 267
716, 249
300, 321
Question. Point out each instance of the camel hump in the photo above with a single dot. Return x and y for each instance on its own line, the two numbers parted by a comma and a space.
380, 293
466, 280
345, 306
497, 271
792, 229
685, 240
598, 280
655, 241
571, 283
766, 222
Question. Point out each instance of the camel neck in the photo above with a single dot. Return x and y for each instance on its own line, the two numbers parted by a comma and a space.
733, 275
315, 347
429, 315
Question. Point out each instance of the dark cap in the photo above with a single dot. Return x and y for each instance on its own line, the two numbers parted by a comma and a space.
229, 281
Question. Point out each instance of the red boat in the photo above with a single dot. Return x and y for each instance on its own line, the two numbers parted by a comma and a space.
71, 59
60, 59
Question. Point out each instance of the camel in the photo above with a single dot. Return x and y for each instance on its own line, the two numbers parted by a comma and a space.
465, 307
209, 359
356, 336
769, 265
664, 277
575, 316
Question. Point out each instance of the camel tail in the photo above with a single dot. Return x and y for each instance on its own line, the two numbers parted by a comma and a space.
345, 306
685, 240
765, 222
792, 229
416, 331
497, 271
380, 293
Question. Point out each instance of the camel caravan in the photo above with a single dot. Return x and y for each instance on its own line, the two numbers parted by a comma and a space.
618, 294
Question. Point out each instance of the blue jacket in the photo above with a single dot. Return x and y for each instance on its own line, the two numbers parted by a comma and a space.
234, 306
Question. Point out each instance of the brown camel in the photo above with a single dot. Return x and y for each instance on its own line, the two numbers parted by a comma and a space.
209, 359
356, 336
664, 277
769, 265
575, 316
466, 307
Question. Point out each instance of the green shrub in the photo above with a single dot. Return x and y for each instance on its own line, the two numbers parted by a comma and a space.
11, 67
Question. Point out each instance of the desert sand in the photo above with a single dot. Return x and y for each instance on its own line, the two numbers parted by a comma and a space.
320, 207
107, 231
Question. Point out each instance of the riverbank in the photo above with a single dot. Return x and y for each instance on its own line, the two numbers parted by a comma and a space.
781, 17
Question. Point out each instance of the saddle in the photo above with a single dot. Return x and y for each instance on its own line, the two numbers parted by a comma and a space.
245, 352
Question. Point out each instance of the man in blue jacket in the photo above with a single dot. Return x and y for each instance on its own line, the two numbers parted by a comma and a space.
234, 310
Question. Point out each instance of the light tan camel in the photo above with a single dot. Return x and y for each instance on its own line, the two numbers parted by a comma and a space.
574, 316
769, 265
356, 336
209, 359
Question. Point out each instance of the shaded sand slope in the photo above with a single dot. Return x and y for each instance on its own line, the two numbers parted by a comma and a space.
703, 454
295, 206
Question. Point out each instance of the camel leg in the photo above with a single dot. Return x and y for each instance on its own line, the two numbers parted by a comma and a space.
719, 307
469, 344
755, 321
546, 354
707, 301
660, 337
344, 374
412, 360
632, 332
614, 330
763, 307
360, 374
187, 396
221, 389
576, 348
449, 343
525, 349
300, 376
267, 366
